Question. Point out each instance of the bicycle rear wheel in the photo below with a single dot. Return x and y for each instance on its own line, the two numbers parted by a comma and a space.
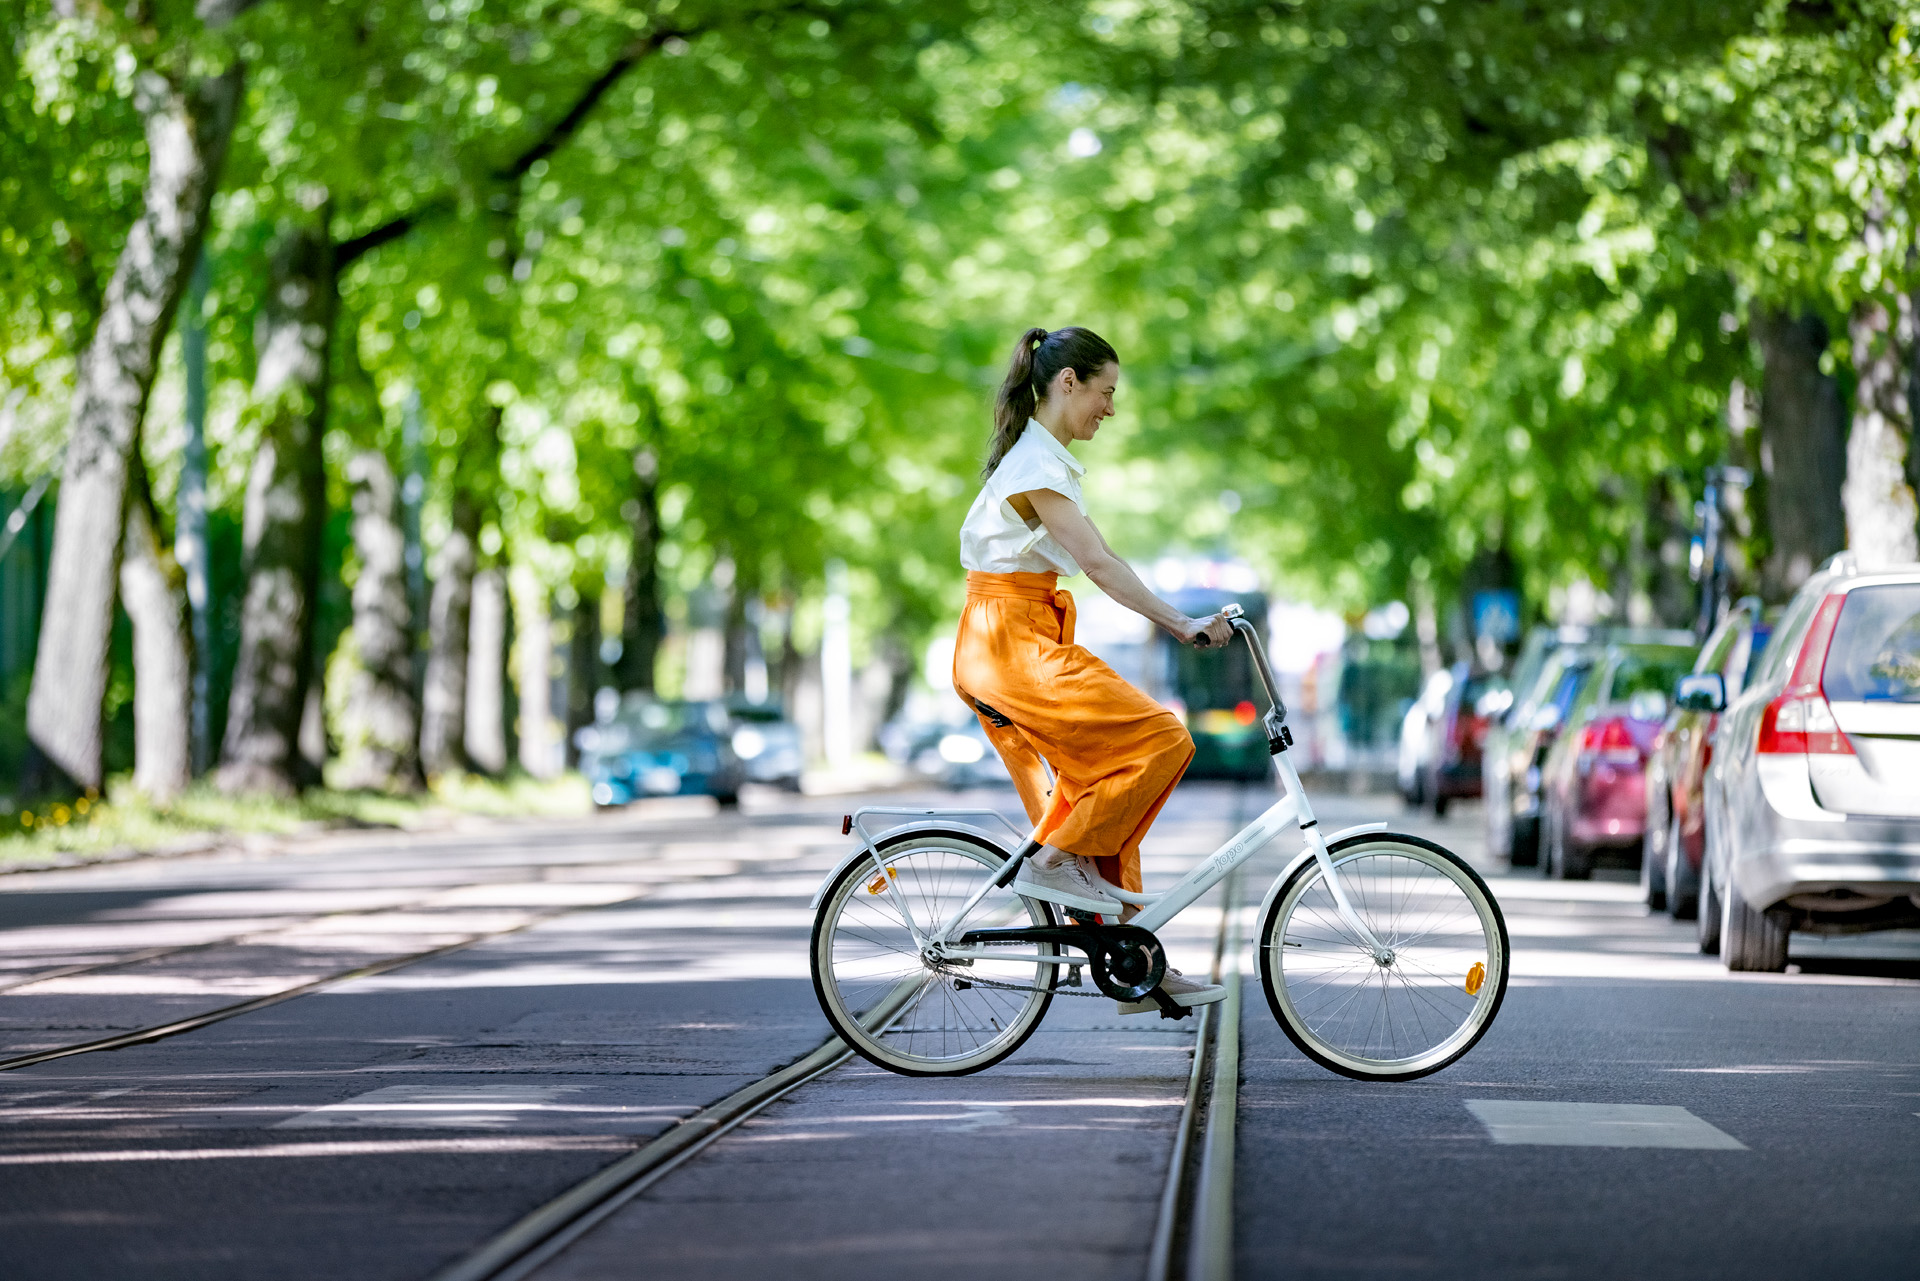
1432, 1000
891, 1003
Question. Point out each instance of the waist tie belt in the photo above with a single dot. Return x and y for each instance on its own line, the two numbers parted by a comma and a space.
1040, 587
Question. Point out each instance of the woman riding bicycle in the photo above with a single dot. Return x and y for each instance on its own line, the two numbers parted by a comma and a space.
1115, 753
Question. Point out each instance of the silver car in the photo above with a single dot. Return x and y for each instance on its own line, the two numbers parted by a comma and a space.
1813, 794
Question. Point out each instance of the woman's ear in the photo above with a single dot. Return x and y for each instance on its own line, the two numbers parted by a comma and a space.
1067, 381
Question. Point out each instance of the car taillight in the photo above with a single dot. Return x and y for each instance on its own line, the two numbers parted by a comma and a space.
1610, 740
1801, 725
1799, 720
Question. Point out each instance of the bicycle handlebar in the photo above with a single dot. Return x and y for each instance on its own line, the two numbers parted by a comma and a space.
1241, 624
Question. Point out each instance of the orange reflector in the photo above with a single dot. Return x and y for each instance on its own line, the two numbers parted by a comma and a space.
879, 882
1475, 977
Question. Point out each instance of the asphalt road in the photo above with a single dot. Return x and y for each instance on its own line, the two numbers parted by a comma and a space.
614, 975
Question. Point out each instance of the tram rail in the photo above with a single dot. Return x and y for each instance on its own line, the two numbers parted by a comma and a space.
1193, 1229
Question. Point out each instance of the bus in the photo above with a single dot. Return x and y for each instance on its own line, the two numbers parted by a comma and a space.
1215, 691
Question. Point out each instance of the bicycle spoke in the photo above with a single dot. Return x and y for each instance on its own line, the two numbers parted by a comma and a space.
1370, 1018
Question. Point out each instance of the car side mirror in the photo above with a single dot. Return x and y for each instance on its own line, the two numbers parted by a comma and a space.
1701, 692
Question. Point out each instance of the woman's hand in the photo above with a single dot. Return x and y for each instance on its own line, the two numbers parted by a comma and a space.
1208, 633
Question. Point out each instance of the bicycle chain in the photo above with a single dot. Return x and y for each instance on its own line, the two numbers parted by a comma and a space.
947, 972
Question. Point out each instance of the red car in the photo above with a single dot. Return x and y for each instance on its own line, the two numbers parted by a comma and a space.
1593, 786
1676, 835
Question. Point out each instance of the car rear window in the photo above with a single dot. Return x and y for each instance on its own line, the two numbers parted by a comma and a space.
1875, 656
1648, 672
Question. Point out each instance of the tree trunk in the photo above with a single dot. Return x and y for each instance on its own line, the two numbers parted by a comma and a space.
643, 625
1802, 450
153, 589
533, 632
1879, 500
486, 674
583, 667
738, 642
443, 705
285, 512
382, 722
187, 130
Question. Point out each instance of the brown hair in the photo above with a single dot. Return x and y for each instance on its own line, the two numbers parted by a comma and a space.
1038, 358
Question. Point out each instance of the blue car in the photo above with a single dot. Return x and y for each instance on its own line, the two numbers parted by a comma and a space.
649, 747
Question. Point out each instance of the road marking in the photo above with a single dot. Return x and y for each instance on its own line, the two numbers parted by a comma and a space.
543, 1143
1598, 1125
454, 1107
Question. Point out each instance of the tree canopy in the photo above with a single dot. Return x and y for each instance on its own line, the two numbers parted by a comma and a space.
1398, 286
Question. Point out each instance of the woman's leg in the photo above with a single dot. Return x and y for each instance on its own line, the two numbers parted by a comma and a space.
1115, 752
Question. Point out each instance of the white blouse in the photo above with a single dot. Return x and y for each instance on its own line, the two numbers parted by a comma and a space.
993, 538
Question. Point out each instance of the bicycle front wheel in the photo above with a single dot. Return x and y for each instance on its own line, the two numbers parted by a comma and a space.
891, 1001
1415, 1011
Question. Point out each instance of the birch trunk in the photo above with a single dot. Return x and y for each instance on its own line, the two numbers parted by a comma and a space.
153, 590
533, 634
443, 703
382, 722
187, 129
1879, 500
487, 674
1802, 450
285, 511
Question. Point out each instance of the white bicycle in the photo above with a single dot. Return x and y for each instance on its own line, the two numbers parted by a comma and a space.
1384, 956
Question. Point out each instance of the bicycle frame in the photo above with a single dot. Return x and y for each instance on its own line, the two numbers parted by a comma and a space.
1156, 910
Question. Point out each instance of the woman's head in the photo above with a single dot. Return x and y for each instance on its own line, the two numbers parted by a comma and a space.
1071, 370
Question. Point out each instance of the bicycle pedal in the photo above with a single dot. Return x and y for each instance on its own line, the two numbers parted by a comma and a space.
1169, 1008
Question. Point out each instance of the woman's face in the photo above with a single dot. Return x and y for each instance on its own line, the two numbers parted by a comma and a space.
1084, 403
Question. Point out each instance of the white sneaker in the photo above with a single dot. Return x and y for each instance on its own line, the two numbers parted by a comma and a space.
1183, 990
1068, 885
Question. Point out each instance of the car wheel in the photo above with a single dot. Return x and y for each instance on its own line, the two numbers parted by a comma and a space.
1750, 939
1523, 843
1707, 924
728, 800
1653, 864
1683, 896
1570, 861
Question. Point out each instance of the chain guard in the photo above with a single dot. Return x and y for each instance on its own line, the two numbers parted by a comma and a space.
1127, 961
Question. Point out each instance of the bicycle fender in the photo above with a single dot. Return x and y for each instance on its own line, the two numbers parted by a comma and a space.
1333, 838
923, 828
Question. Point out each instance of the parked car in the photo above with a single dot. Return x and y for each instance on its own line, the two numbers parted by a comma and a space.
1593, 797
767, 743
955, 753
648, 747
1442, 736
1416, 736
1459, 737
1813, 795
1676, 768
1518, 744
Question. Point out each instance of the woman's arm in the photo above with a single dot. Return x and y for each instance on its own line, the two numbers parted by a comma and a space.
1073, 531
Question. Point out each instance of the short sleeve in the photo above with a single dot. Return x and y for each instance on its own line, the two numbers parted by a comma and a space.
1025, 469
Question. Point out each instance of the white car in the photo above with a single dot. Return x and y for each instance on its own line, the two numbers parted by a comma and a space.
1813, 794
1417, 736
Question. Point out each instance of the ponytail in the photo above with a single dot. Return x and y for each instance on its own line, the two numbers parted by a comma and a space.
1016, 401
1038, 357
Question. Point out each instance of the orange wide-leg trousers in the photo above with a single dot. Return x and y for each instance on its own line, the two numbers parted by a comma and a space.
1116, 754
